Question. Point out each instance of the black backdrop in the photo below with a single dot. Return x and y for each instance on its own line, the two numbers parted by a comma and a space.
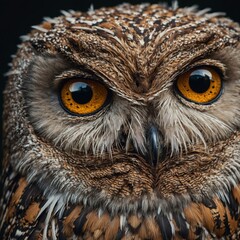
16, 17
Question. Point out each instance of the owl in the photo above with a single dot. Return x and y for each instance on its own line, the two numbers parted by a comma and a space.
124, 123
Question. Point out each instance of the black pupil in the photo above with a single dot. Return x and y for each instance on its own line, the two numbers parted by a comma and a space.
199, 80
81, 92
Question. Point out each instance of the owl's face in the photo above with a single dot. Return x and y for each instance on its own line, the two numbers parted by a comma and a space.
128, 109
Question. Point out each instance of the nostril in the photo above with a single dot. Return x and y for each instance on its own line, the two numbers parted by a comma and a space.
155, 145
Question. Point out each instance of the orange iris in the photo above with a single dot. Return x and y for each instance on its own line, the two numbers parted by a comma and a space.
201, 85
83, 96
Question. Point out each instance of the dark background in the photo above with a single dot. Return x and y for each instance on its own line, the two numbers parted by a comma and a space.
17, 17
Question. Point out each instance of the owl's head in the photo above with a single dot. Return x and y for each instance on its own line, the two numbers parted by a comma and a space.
128, 109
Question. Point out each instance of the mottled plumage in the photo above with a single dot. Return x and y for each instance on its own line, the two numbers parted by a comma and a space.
149, 163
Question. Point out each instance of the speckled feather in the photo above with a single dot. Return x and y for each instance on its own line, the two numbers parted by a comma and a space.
68, 177
26, 219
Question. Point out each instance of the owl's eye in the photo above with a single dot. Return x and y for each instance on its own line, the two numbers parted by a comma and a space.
201, 85
83, 97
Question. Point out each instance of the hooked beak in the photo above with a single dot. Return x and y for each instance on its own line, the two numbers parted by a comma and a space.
155, 146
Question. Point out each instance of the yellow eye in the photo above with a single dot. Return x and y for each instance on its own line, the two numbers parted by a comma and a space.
82, 96
200, 85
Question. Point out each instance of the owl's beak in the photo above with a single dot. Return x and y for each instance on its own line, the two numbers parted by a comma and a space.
155, 145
